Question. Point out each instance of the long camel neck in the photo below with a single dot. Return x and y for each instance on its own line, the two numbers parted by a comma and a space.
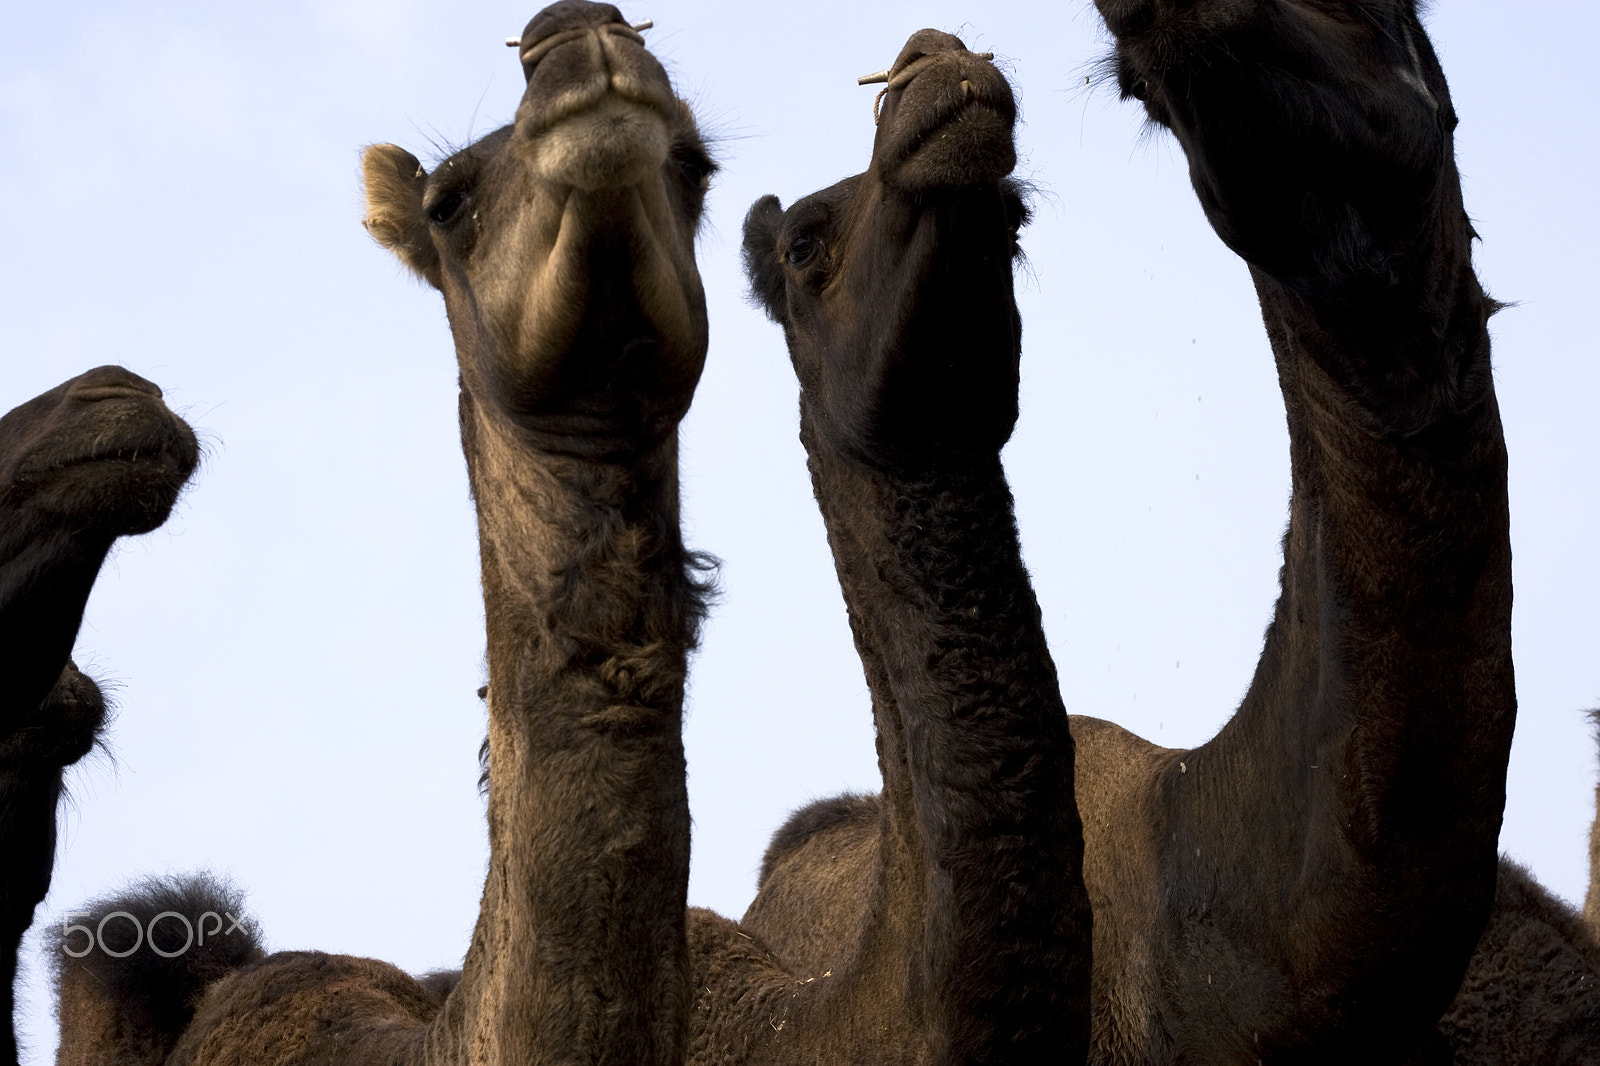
981, 831
579, 952
1379, 722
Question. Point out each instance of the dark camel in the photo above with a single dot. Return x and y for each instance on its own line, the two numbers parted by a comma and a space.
953, 925
96, 458
563, 247
1309, 885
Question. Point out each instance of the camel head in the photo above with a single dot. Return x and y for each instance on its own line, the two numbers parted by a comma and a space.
563, 244
1336, 141
894, 286
93, 459
99, 453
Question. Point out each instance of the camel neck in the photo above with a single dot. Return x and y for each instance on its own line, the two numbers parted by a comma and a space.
1369, 754
580, 951
45, 580
974, 747
1396, 590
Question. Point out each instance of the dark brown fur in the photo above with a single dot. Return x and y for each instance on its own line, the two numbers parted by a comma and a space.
1309, 885
1532, 991
1531, 996
93, 459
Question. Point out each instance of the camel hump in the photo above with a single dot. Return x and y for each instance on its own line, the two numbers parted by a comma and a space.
1528, 994
132, 967
851, 809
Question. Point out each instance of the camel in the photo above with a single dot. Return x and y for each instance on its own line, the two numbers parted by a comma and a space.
93, 459
956, 925
1308, 885
563, 246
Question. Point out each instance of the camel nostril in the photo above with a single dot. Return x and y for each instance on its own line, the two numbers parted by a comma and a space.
906, 69
110, 382
906, 61
637, 27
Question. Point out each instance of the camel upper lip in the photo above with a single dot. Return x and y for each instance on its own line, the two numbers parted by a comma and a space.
622, 68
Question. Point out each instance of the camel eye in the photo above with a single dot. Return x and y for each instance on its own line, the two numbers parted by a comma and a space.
696, 165
802, 250
447, 207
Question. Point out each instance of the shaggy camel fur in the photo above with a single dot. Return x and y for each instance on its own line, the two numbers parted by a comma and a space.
93, 459
1308, 886
563, 247
1531, 996
961, 928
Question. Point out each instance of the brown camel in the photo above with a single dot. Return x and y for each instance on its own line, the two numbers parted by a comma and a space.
563, 247
95, 458
1307, 886
956, 927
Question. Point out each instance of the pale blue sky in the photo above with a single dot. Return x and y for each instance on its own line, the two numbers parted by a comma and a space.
296, 652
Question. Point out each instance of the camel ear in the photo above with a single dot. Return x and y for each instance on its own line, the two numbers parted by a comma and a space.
394, 182
762, 265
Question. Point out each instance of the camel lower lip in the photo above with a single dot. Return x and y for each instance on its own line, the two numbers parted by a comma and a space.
591, 97
920, 140
612, 142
